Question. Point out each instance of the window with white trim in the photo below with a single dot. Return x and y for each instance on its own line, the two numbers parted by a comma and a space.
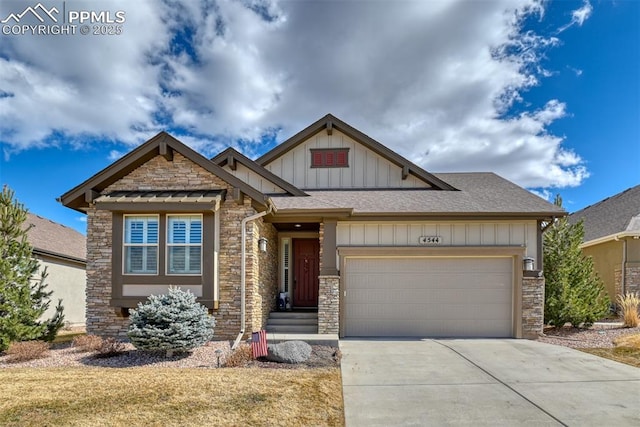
141, 244
184, 244
285, 264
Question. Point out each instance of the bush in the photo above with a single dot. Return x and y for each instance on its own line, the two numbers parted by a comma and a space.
87, 342
109, 347
573, 291
27, 350
24, 297
173, 322
629, 305
240, 357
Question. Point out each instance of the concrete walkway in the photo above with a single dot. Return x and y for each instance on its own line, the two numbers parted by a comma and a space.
484, 382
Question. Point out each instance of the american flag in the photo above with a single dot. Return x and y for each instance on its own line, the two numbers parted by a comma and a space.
259, 344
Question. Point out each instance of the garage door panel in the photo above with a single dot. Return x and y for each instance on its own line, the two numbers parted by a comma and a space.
465, 297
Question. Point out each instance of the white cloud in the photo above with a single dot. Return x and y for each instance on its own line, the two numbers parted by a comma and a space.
578, 16
582, 14
431, 80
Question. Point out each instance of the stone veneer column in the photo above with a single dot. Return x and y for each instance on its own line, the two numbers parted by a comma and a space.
329, 305
532, 306
631, 279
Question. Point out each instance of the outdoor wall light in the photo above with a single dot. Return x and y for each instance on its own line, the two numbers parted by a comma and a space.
262, 244
528, 263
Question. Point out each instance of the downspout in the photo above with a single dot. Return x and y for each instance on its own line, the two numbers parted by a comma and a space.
243, 268
216, 250
623, 281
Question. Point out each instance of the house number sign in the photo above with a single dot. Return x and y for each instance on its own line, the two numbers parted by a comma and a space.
430, 240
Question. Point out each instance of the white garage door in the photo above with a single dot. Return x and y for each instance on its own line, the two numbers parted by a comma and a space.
429, 297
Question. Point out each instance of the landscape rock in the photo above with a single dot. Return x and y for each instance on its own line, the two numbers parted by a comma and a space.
289, 352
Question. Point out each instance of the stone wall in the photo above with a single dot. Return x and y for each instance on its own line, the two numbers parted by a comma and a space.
101, 317
263, 274
329, 305
631, 280
532, 306
160, 174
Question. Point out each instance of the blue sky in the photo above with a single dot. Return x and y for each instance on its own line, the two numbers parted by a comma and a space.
546, 94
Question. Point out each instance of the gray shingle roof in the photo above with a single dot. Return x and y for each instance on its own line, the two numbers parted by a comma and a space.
480, 194
56, 239
615, 214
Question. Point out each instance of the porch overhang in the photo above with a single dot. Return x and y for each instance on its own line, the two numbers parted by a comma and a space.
161, 200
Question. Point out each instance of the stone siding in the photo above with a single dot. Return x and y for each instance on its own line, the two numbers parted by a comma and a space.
632, 278
532, 306
160, 174
263, 274
329, 305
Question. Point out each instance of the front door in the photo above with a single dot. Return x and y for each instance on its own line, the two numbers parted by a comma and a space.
306, 259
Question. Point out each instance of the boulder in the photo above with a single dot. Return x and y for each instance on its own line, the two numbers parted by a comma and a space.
289, 352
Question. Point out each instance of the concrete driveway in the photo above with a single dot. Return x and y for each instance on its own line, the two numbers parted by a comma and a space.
437, 382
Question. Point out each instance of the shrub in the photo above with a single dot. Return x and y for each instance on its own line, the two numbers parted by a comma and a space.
109, 347
27, 350
173, 322
573, 291
240, 357
629, 305
24, 297
87, 342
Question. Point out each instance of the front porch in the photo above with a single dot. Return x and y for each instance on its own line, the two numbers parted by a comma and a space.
308, 279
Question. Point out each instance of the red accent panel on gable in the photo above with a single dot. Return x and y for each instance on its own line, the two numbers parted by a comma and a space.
317, 159
329, 157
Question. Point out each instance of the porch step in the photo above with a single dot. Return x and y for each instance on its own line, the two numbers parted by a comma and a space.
293, 329
293, 321
293, 315
297, 322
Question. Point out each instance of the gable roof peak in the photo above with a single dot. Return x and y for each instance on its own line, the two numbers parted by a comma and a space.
162, 144
330, 122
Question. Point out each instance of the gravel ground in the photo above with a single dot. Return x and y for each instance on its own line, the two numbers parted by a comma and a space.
601, 335
204, 357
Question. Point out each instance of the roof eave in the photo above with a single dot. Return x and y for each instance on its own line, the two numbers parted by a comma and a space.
222, 158
612, 237
158, 145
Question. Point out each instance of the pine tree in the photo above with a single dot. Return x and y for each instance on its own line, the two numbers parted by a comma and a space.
23, 294
173, 322
573, 291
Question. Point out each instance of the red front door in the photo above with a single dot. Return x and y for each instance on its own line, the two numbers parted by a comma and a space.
306, 259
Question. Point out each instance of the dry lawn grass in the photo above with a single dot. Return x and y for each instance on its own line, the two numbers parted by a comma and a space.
627, 350
170, 397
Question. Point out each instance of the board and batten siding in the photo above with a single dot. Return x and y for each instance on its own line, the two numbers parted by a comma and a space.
366, 168
476, 233
255, 180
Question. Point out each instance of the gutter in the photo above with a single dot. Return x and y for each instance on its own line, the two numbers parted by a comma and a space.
243, 268
616, 237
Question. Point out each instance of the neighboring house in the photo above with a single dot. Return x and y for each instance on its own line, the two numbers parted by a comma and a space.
62, 251
351, 230
612, 239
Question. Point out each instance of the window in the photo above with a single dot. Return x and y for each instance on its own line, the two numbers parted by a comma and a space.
285, 264
184, 244
330, 158
141, 244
